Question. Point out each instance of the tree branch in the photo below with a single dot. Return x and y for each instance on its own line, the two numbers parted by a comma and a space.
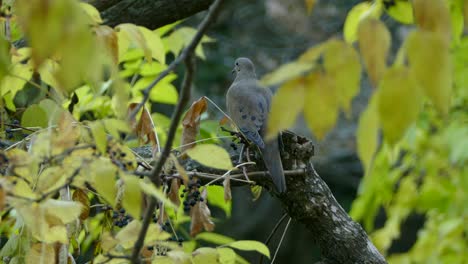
148, 13
188, 58
309, 201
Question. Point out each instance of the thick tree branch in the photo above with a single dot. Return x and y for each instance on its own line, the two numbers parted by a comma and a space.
187, 56
309, 201
148, 13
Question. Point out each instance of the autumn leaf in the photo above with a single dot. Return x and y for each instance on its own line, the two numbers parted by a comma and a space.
374, 44
108, 40
430, 64
367, 133
397, 85
174, 192
321, 104
310, 5
80, 196
286, 105
201, 216
191, 123
40, 253
434, 16
343, 68
227, 188
145, 129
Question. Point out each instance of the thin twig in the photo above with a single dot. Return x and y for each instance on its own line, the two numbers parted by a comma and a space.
187, 57
273, 231
281, 240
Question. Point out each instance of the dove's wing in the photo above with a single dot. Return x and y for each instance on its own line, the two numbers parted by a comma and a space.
248, 105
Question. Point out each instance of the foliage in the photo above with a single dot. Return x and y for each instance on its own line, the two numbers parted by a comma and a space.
70, 181
412, 136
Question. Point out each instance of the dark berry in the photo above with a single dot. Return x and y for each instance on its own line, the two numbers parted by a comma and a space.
201, 199
122, 211
193, 202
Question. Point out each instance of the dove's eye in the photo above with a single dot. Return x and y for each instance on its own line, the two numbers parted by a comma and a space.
237, 64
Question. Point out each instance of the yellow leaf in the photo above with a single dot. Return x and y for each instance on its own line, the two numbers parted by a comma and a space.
16, 79
321, 104
132, 199
397, 85
40, 253
148, 188
367, 133
211, 155
286, 72
129, 234
102, 173
136, 37
433, 15
401, 11
23, 164
342, 65
99, 135
155, 44
92, 12
374, 44
51, 178
430, 64
205, 255
309, 5
286, 105
47, 221
357, 13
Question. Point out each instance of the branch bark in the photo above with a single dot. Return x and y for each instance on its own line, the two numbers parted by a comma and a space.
149, 13
308, 200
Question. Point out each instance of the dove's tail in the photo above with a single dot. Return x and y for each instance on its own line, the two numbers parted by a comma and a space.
272, 159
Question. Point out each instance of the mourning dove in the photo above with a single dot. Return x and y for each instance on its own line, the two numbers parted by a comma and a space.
248, 105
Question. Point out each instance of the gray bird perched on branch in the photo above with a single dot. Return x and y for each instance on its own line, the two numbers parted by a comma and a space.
248, 104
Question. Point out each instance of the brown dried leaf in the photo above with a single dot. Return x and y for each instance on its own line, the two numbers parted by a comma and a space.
201, 216
2, 198
227, 188
191, 123
80, 196
174, 192
180, 170
144, 129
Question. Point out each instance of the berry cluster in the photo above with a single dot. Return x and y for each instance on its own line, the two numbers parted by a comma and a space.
120, 218
191, 193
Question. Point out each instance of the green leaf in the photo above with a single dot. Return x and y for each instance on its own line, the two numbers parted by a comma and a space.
132, 197
401, 11
53, 110
321, 104
226, 255
211, 155
430, 64
251, 245
34, 116
181, 37
135, 36
399, 86
99, 135
286, 105
214, 238
216, 198
367, 133
4, 57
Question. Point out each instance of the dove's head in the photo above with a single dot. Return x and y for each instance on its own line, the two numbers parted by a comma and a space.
243, 67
